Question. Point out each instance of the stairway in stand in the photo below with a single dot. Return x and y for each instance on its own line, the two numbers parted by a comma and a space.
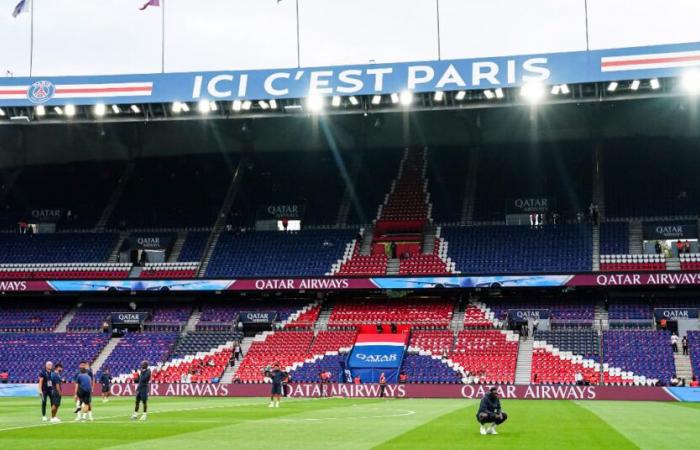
230, 371
683, 367
523, 369
104, 354
403, 239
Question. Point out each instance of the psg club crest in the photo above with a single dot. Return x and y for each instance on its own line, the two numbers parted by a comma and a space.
41, 91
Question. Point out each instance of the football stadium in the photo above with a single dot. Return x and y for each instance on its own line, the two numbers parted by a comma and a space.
390, 224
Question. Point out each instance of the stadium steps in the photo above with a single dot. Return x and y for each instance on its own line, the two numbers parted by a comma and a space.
635, 238
104, 354
683, 366
116, 251
601, 318
62, 326
115, 197
221, 217
523, 368
596, 247
470, 187
429, 236
192, 322
323, 317
366, 244
673, 263
457, 323
392, 266
230, 372
177, 246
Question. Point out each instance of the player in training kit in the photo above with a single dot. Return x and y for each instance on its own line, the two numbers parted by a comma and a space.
490, 412
143, 379
105, 381
56, 382
277, 376
44, 387
78, 404
83, 394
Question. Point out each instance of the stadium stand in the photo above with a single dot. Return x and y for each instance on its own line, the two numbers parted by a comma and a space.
68, 185
646, 353
694, 351
133, 348
182, 192
419, 313
490, 355
634, 263
270, 253
308, 372
562, 311
56, 248
194, 246
170, 270
99, 271
42, 316
614, 238
690, 261
314, 184
429, 369
283, 347
446, 178
560, 171
520, 249
436, 342
628, 192
23, 354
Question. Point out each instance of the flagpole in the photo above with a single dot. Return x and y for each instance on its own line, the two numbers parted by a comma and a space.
162, 39
31, 37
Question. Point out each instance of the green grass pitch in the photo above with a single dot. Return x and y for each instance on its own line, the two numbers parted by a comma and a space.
247, 423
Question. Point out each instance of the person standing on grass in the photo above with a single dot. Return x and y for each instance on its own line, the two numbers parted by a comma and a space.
83, 394
490, 412
276, 375
44, 387
143, 379
105, 381
56, 382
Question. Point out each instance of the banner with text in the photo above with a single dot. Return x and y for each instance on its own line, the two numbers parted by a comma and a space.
523, 315
528, 205
675, 313
128, 318
374, 354
667, 231
367, 390
487, 72
248, 317
279, 212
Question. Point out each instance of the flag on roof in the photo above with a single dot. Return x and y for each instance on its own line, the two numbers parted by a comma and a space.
150, 3
22, 7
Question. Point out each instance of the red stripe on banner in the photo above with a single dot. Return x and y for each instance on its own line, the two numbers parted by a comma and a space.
102, 90
668, 59
12, 92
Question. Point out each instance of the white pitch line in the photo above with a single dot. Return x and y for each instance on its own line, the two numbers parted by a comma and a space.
43, 424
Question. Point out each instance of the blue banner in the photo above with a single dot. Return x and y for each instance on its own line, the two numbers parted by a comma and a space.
675, 313
375, 354
368, 79
523, 315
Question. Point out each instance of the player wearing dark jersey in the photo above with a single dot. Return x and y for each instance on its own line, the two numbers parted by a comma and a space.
83, 394
490, 412
44, 387
56, 383
78, 404
143, 379
277, 376
105, 381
